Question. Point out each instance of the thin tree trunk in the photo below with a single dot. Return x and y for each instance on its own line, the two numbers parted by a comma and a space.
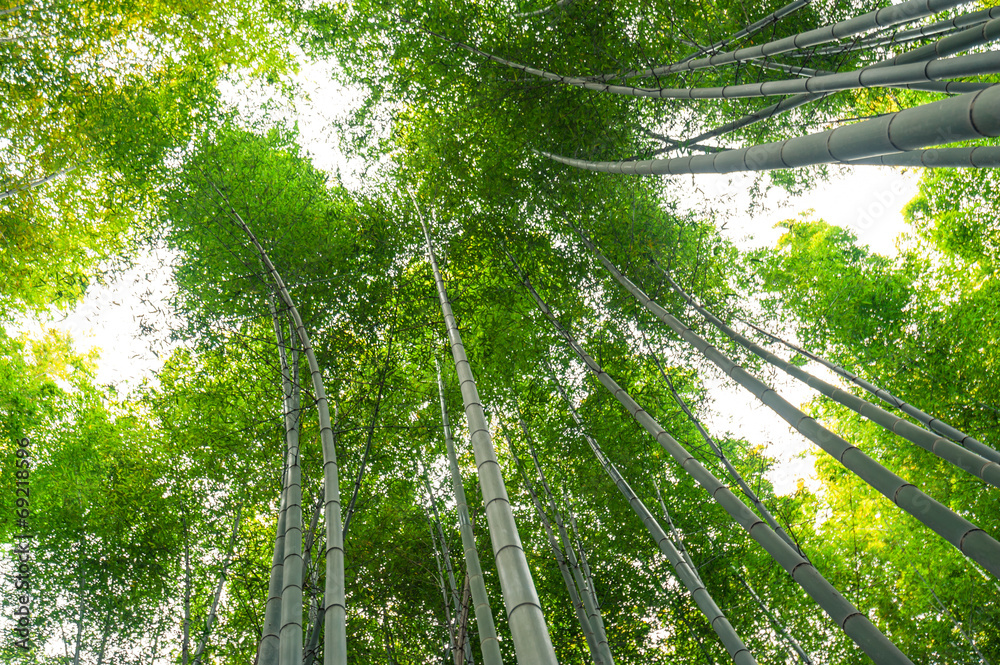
730, 469
524, 611
963, 534
335, 651
678, 541
685, 572
463, 623
38, 182
448, 624
586, 625
218, 590
105, 633
449, 569
589, 597
371, 433
778, 625
488, 643
947, 450
928, 420
855, 624
954, 619
187, 594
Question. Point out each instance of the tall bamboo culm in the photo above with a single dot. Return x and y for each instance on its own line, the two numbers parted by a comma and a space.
488, 643
335, 642
960, 532
530, 634
847, 617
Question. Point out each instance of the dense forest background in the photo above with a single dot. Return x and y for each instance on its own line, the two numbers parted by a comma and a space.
166, 129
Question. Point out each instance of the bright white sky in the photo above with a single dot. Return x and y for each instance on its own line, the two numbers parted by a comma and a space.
867, 200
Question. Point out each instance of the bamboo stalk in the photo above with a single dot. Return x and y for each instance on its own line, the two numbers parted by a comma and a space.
942, 447
847, 617
524, 611
928, 420
963, 534
571, 587
488, 643
335, 651
685, 572
218, 590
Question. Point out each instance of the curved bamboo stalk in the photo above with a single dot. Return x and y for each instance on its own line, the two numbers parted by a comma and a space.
335, 651
684, 571
848, 618
944, 47
571, 587
488, 643
967, 117
524, 611
967, 20
38, 182
872, 76
963, 534
942, 447
929, 421
904, 12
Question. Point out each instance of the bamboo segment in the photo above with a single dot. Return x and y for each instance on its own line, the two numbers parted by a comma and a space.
488, 643
963, 534
267, 650
947, 450
335, 651
928, 420
218, 590
589, 597
571, 587
290, 633
685, 572
524, 611
966, 117
855, 624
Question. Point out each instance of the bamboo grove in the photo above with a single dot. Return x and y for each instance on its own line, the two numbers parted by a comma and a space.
459, 410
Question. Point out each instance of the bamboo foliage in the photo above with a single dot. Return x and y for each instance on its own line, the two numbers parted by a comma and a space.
524, 611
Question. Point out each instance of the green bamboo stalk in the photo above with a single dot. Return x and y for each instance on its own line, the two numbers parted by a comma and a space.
267, 650
571, 587
290, 633
449, 625
446, 555
684, 571
966, 117
928, 420
730, 469
488, 643
589, 597
847, 617
524, 611
942, 447
963, 534
335, 651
